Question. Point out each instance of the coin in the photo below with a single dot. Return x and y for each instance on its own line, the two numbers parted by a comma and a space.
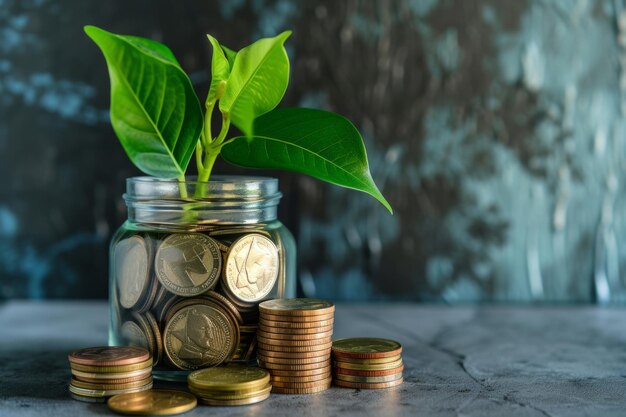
311, 348
325, 354
295, 319
200, 335
130, 263
106, 376
245, 401
374, 361
368, 379
373, 367
106, 392
297, 307
292, 366
311, 384
280, 330
115, 368
296, 324
354, 372
102, 386
301, 373
231, 377
160, 297
156, 333
251, 267
321, 360
188, 264
314, 390
148, 298
112, 381
153, 402
359, 385
232, 395
290, 341
366, 347
109, 356
200, 301
300, 378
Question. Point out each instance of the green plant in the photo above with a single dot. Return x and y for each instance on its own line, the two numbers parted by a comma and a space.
159, 120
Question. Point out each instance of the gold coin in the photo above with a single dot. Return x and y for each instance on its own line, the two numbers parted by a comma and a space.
118, 368
358, 385
245, 401
200, 335
317, 320
311, 384
296, 324
386, 372
158, 338
312, 348
375, 361
291, 361
111, 381
232, 395
188, 264
297, 307
294, 340
229, 378
301, 373
367, 379
85, 392
131, 266
372, 367
366, 347
300, 378
293, 332
160, 297
99, 376
200, 300
314, 390
109, 356
313, 343
153, 402
271, 366
325, 353
251, 267
107, 386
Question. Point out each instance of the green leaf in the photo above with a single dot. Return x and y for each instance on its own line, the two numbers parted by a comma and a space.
154, 109
258, 80
230, 55
321, 144
220, 68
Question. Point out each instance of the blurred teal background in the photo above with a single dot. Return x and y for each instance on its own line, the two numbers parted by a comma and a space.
496, 129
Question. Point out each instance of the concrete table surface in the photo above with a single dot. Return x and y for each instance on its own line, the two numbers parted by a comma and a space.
468, 360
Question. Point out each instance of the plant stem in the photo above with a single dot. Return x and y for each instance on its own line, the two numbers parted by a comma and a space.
182, 186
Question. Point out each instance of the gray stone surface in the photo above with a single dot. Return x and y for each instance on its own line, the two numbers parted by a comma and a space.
469, 361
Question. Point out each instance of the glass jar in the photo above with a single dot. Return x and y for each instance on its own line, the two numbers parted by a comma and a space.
190, 266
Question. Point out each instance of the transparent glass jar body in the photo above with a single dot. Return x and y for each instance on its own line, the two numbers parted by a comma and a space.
190, 266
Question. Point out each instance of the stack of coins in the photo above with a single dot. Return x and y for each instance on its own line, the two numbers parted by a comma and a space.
367, 363
234, 384
100, 372
294, 341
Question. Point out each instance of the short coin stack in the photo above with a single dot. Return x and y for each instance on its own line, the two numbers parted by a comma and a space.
234, 384
294, 341
367, 363
100, 372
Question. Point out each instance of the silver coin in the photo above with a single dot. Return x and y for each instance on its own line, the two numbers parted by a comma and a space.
131, 270
188, 264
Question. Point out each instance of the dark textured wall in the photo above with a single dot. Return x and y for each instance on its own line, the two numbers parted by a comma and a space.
495, 129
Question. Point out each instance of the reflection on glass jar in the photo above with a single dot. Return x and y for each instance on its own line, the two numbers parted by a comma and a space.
190, 266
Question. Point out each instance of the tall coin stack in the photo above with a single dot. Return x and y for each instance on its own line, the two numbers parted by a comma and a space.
100, 372
367, 363
294, 342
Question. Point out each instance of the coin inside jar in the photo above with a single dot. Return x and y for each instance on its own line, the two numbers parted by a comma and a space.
188, 264
130, 263
251, 267
200, 335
